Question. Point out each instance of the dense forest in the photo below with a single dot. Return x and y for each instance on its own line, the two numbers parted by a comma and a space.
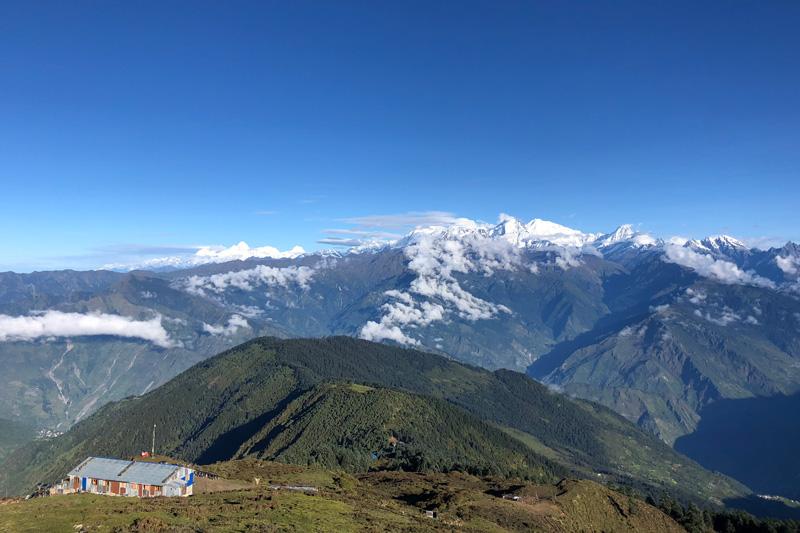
696, 520
360, 428
12, 435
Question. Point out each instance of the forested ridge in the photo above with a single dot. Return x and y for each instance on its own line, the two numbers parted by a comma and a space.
267, 396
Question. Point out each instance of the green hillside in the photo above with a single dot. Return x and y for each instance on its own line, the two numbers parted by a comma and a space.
231, 405
13, 435
376, 501
363, 428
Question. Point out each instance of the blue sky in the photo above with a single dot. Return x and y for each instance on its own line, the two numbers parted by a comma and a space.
143, 127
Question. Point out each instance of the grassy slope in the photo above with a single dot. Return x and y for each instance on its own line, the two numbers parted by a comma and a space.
209, 411
385, 501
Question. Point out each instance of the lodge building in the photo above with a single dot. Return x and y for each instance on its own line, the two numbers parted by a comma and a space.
116, 477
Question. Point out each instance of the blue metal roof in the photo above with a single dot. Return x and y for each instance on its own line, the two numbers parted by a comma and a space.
125, 471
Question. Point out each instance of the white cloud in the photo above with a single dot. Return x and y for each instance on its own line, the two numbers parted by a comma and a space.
717, 269
467, 306
696, 297
726, 317
403, 311
235, 323
721, 316
248, 279
217, 254
567, 257
677, 240
374, 331
436, 259
249, 311
629, 331
312, 200
404, 220
644, 239
363, 233
59, 324
764, 243
789, 264
371, 230
357, 237
339, 241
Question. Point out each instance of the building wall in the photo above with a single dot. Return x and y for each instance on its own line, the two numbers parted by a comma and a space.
183, 478
114, 488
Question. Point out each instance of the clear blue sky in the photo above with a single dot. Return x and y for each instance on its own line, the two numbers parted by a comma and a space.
172, 123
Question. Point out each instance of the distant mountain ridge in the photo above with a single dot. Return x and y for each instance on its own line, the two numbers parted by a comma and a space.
657, 330
495, 295
660, 369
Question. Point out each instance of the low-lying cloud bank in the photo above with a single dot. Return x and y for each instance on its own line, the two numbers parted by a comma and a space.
235, 323
247, 280
789, 264
717, 269
61, 324
435, 292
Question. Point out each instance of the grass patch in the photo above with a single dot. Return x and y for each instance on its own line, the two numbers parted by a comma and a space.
356, 387
379, 501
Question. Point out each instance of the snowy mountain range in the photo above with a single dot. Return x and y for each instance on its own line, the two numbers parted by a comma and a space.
779, 265
656, 329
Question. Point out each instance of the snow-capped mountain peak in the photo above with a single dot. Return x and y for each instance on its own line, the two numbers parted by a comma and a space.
625, 234
458, 229
209, 254
545, 228
723, 241
717, 244
622, 233
509, 228
538, 231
